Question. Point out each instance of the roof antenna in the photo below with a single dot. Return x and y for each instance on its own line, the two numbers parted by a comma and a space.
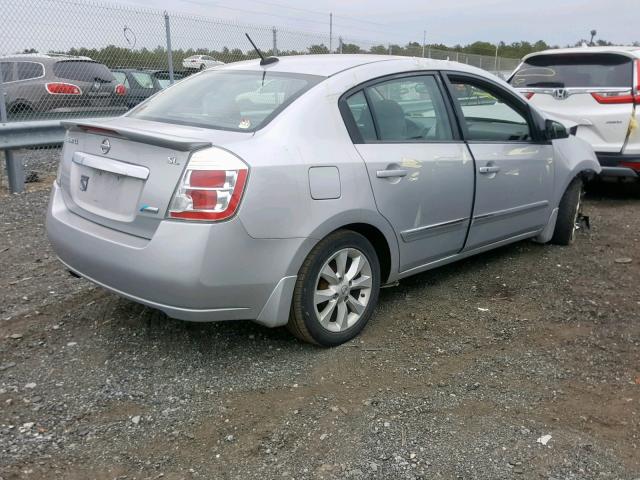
263, 60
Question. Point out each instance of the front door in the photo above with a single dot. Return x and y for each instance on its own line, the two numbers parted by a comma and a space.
514, 168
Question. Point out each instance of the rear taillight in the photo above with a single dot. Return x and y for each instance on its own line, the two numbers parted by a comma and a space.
632, 165
609, 98
636, 83
211, 186
120, 89
58, 88
528, 95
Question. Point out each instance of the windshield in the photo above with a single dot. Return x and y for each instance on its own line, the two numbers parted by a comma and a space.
575, 70
226, 100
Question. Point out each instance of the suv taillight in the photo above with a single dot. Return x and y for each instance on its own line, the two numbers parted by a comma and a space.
120, 89
609, 98
59, 88
211, 187
636, 83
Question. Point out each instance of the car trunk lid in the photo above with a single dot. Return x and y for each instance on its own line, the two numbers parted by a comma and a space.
122, 173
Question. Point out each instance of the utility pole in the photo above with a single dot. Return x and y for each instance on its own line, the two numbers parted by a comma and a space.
330, 32
275, 42
424, 41
495, 66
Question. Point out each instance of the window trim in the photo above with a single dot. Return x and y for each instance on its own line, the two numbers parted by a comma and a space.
512, 99
15, 71
354, 131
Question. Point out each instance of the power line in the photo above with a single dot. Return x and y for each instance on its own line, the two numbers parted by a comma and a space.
298, 19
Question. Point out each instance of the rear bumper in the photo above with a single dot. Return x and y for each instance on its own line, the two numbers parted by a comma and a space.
619, 165
196, 272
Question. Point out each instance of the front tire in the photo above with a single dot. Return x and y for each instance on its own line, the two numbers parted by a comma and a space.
336, 291
568, 211
203, 66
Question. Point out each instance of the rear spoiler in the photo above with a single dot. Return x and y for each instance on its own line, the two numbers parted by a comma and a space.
174, 142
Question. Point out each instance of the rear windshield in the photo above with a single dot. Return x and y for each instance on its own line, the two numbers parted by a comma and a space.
227, 100
82, 71
581, 70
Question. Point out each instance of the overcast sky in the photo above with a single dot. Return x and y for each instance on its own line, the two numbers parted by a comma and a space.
449, 22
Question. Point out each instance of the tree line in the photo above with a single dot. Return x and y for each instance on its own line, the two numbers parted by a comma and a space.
114, 56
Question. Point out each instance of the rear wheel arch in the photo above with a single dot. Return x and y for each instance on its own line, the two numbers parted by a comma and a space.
378, 233
20, 106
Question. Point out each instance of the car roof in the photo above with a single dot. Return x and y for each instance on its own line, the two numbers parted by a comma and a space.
625, 50
327, 65
44, 56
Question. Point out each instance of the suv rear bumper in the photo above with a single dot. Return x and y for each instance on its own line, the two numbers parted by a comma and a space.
619, 165
196, 272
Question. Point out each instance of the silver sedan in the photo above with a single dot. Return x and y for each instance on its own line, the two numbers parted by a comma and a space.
288, 193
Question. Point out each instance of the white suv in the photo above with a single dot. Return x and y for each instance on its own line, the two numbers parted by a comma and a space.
595, 89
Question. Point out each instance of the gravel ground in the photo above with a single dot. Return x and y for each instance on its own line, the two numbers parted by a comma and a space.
458, 375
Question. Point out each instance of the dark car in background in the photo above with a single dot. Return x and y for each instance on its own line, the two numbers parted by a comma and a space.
141, 84
47, 85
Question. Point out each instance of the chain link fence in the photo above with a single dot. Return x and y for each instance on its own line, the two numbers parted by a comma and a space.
71, 58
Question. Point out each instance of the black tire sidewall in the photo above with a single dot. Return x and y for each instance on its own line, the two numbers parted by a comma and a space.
307, 307
564, 232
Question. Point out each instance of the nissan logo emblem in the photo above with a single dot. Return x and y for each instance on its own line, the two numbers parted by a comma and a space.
105, 146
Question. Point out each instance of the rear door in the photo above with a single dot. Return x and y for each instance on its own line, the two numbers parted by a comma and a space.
421, 172
593, 90
514, 176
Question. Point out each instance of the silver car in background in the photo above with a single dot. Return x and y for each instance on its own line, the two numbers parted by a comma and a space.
293, 205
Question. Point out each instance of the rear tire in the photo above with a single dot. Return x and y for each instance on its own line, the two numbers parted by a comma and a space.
203, 66
336, 291
568, 211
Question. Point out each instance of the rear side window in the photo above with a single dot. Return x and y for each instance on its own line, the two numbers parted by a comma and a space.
7, 71
82, 71
575, 70
227, 99
28, 70
121, 77
361, 114
405, 109
143, 79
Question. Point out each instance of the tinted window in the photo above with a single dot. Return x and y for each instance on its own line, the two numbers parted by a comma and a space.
82, 71
582, 70
7, 71
409, 109
143, 79
121, 77
489, 117
231, 100
27, 70
362, 116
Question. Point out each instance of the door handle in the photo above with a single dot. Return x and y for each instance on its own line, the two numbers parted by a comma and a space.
491, 169
391, 173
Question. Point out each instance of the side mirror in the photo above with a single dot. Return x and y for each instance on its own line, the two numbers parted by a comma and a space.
555, 130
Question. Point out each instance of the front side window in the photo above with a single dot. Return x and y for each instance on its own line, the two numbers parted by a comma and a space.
488, 116
226, 99
28, 70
